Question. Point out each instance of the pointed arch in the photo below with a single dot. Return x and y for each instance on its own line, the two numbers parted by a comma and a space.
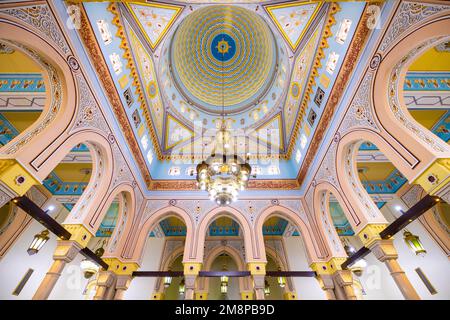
232, 213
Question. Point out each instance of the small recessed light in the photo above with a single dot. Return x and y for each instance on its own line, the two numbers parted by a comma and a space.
51, 208
398, 208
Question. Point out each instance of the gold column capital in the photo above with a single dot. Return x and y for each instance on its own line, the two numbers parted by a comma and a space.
79, 233
290, 296
371, 233
192, 268
201, 295
257, 268
120, 267
158, 296
435, 177
247, 295
328, 267
16, 177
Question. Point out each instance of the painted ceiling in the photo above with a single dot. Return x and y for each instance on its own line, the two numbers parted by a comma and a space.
269, 67
163, 105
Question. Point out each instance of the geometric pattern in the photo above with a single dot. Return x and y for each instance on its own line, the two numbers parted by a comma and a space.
293, 19
176, 132
154, 19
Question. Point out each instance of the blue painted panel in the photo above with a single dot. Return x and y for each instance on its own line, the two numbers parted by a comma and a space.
17, 82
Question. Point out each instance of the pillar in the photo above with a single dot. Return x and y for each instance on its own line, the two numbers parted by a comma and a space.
65, 252
344, 279
258, 273
327, 285
122, 284
105, 281
325, 271
117, 279
191, 270
385, 252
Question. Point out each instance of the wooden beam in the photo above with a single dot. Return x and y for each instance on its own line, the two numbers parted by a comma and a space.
53, 226
42, 217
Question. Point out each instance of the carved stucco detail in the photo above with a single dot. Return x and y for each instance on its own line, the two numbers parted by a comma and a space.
96, 176
121, 223
327, 224
88, 113
353, 178
35, 195
55, 92
413, 195
360, 112
408, 15
40, 17
394, 85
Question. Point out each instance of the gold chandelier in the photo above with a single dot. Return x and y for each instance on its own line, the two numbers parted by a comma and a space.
223, 177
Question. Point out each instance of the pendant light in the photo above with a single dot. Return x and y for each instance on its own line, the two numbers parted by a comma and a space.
181, 287
167, 280
40, 238
266, 288
414, 243
38, 242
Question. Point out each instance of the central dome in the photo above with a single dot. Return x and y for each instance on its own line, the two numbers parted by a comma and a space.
225, 48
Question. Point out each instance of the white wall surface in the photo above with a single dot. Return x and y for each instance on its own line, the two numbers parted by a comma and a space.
142, 288
377, 281
306, 288
17, 261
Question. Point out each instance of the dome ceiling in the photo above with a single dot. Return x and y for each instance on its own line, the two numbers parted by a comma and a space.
223, 55
270, 66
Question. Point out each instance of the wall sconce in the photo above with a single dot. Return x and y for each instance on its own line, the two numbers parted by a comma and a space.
414, 243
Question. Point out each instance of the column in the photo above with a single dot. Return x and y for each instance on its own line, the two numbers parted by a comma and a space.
385, 252
191, 270
65, 252
258, 272
116, 280
327, 284
344, 279
122, 285
105, 280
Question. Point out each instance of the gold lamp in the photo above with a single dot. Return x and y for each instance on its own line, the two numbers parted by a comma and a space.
167, 280
414, 243
38, 242
182, 287
281, 280
266, 288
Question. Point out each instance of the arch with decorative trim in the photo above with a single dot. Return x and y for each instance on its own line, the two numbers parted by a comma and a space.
244, 225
